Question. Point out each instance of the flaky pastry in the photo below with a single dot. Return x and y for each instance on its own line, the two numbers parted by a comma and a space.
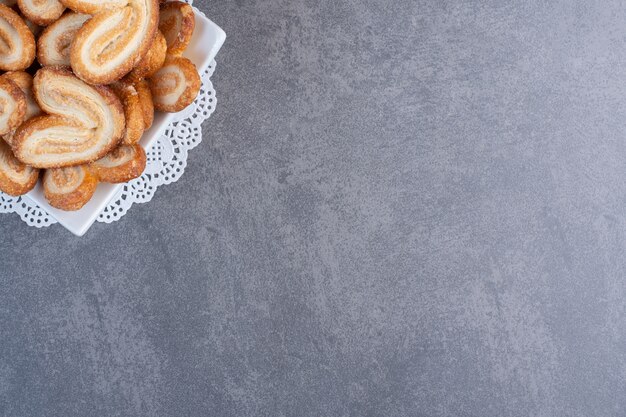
123, 164
84, 127
84, 122
25, 82
69, 188
175, 85
177, 22
13, 104
152, 61
132, 111
17, 49
109, 45
53, 46
41, 12
15, 177
94, 6
147, 105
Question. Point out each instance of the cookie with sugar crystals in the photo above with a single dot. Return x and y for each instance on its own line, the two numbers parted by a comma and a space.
13, 102
123, 164
132, 111
53, 46
69, 188
15, 177
19, 49
41, 12
176, 85
84, 122
114, 40
177, 23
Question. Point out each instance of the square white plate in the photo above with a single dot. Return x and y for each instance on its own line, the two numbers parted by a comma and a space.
206, 42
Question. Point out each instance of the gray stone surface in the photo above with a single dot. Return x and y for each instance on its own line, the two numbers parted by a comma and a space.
400, 208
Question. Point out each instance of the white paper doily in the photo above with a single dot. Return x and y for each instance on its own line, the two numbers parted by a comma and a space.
167, 160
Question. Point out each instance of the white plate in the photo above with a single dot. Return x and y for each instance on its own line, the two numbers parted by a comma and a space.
206, 42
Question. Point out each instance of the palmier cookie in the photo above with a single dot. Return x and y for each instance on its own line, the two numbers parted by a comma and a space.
132, 111
94, 6
177, 22
17, 51
41, 12
8, 2
125, 163
15, 177
13, 104
84, 122
147, 105
69, 188
175, 85
109, 45
25, 82
152, 61
53, 46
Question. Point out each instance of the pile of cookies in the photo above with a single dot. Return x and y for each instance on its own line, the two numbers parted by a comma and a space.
80, 82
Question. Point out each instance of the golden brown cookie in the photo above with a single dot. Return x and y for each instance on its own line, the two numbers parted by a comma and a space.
152, 61
53, 46
41, 12
132, 111
17, 49
147, 105
177, 22
122, 165
109, 45
175, 85
25, 82
84, 122
69, 188
15, 177
13, 105
93, 6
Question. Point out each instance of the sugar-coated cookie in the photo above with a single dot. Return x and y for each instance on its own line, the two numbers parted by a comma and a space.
83, 123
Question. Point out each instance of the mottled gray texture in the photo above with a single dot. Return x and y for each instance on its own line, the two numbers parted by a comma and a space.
400, 208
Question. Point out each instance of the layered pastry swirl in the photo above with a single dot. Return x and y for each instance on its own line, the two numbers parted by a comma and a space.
17, 49
103, 67
129, 97
24, 81
41, 12
53, 46
114, 40
177, 22
122, 165
147, 104
94, 6
69, 188
16, 178
83, 124
152, 61
13, 104
175, 85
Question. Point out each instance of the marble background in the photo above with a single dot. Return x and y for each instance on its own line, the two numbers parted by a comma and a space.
400, 208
